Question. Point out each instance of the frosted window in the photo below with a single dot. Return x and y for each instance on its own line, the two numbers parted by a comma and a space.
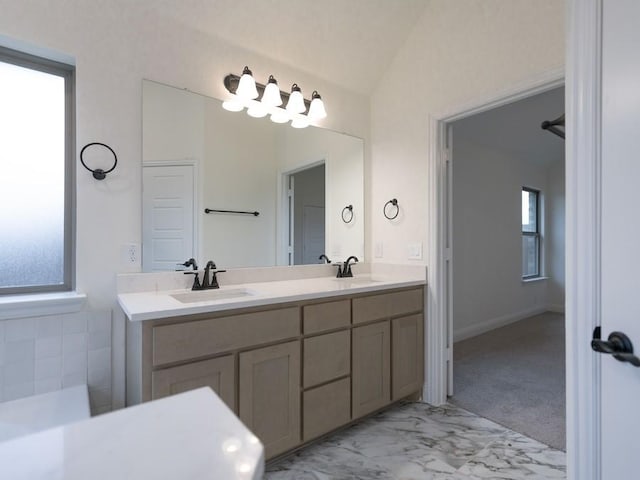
32, 179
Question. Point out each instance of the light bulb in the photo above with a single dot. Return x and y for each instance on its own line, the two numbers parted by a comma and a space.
316, 109
280, 115
300, 121
256, 110
247, 86
234, 104
296, 100
271, 96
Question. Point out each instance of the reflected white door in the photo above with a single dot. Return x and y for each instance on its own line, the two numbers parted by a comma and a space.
168, 216
620, 382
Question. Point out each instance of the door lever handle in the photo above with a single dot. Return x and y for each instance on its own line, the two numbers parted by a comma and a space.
618, 345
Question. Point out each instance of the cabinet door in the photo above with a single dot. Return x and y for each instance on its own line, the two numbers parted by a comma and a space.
407, 357
217, 373
371, 368
269, 395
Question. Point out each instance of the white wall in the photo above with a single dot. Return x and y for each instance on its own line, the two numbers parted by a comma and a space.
344, 172
457, 52
174, 126
239, 173
555, 238
488, 291
116, 44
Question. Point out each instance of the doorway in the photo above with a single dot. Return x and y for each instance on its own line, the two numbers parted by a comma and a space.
306, 214
489, 295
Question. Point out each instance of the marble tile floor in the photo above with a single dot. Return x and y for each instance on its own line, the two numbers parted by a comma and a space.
415, 441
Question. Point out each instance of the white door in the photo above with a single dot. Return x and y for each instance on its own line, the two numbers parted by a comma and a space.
168, 216
620, 382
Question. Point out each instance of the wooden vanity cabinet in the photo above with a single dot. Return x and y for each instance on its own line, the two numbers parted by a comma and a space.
217, 373
407, 361
371, 385
269, 395
380, 360
326, 396
293, 371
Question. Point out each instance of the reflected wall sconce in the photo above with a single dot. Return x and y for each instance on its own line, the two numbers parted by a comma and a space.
262, 100
391, 209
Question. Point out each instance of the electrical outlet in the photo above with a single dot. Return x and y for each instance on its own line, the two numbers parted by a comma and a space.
378, 250
130, 254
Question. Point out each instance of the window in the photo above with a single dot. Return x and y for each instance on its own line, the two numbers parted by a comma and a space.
36, 173
530, 233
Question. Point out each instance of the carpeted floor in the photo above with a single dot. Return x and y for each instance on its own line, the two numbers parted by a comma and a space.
515, 376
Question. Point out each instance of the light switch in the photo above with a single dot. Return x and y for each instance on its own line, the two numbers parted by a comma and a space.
378, 250
414, 251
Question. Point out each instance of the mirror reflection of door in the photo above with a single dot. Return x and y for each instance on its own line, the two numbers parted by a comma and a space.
306, 215
168, 216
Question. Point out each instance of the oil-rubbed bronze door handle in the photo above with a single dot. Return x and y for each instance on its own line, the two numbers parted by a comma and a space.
618, 345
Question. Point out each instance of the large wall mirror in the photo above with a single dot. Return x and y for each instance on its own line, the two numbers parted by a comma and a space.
305, 185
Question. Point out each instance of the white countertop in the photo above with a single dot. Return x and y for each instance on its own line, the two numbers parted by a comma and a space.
160, 304
41, 412
191, 436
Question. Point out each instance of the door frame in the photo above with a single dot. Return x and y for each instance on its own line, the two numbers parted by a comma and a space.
284, 219
582, 108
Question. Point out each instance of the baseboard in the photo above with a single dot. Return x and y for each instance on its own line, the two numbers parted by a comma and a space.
557, 308
493, 323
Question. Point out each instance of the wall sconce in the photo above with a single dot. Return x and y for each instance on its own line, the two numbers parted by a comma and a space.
262, 100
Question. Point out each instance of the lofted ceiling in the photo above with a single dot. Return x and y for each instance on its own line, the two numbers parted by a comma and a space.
515, 128
349, 43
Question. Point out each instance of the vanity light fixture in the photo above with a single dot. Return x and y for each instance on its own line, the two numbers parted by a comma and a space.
247, 86
262, 100
316, 109
271, 96
296, 100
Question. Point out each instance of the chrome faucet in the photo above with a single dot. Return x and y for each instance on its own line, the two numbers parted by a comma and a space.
346, 269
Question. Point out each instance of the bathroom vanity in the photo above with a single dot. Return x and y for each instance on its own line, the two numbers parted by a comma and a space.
294, 359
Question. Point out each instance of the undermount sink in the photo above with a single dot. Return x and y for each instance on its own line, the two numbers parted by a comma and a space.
356, 280
210, 295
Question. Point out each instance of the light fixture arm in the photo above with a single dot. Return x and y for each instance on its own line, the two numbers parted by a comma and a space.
231, 82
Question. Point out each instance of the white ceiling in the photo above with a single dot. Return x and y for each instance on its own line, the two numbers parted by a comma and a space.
516, 128
347, 42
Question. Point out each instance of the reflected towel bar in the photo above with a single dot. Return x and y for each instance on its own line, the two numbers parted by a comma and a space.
211, 210
553, 126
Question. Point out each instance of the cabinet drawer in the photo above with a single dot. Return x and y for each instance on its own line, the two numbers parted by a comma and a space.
326, 316
217, 373
385, 305
326, 357
186, 340
325, 408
